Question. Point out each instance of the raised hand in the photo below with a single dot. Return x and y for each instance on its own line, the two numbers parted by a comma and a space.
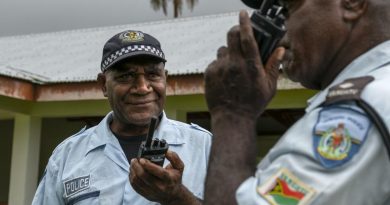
237, 81
238, 88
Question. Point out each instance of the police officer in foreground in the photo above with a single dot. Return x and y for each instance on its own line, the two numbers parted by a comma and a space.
100, 166
336, 153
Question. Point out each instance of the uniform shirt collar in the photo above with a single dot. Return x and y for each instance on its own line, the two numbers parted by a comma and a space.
361, 66
102, 134
168, 130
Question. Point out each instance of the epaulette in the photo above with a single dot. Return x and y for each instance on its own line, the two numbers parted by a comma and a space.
197, 127
348, 90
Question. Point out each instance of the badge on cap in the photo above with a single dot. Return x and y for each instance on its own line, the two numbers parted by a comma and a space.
131, 36
285, 188
338, 135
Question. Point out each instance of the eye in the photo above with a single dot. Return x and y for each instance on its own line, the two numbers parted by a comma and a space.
154, 72
126, 77
154, 75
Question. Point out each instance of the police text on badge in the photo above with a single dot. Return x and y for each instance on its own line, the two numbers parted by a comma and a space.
76, 185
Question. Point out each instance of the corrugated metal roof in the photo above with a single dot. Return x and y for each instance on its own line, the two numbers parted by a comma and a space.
190, 44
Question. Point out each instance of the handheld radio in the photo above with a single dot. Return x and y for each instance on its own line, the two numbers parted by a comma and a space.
268, 24
153, 149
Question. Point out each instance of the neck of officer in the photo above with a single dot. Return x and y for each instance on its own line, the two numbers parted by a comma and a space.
368, 32
128, 130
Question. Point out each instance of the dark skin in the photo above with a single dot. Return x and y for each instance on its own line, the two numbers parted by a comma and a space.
135, 88
323, 36
136, 91
235, 99
161, 185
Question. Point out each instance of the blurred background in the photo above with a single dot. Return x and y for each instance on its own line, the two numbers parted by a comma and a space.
40, 16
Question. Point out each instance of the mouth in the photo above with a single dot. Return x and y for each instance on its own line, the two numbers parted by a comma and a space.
141, 102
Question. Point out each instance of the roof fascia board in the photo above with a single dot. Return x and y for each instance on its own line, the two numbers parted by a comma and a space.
16, 88
29, 91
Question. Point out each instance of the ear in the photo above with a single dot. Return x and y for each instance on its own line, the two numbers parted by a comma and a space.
166, 73
353, 9
101, 79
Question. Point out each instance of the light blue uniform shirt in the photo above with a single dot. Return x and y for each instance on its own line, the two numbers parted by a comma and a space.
307, 167
90, 167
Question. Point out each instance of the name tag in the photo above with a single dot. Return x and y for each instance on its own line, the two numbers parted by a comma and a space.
76, 185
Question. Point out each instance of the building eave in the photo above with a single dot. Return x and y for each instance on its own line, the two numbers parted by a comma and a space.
16, 88
76, 91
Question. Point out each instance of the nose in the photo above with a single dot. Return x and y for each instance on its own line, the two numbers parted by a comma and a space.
141, 85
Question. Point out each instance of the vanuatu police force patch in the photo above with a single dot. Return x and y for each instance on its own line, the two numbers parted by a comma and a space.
338, 135
285, 188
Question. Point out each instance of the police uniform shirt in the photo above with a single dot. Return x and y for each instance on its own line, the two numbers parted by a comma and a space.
91, 168
332, 155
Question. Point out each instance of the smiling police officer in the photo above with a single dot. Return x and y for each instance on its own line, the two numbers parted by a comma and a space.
338, 152
99, 165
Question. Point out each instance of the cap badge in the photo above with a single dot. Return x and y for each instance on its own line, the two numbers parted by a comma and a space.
131, 36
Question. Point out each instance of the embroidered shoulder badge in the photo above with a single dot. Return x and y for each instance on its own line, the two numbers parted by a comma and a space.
338, 135
76, 185
285, 188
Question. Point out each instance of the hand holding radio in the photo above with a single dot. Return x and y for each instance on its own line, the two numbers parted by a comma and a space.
162, 185
237, 81
148, 177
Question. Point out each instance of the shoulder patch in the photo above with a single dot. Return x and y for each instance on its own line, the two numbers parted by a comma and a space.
285, 188
197, 127
76, 185
338, 135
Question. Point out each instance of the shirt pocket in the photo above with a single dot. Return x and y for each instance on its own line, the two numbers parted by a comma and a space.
86, 198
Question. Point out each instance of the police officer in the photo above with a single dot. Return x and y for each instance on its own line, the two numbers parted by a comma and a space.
99, 165
336, 153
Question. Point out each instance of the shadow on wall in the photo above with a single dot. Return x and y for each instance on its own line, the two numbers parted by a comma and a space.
56, 130
6, 130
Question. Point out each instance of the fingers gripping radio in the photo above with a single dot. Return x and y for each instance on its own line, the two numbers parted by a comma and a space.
153, 149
